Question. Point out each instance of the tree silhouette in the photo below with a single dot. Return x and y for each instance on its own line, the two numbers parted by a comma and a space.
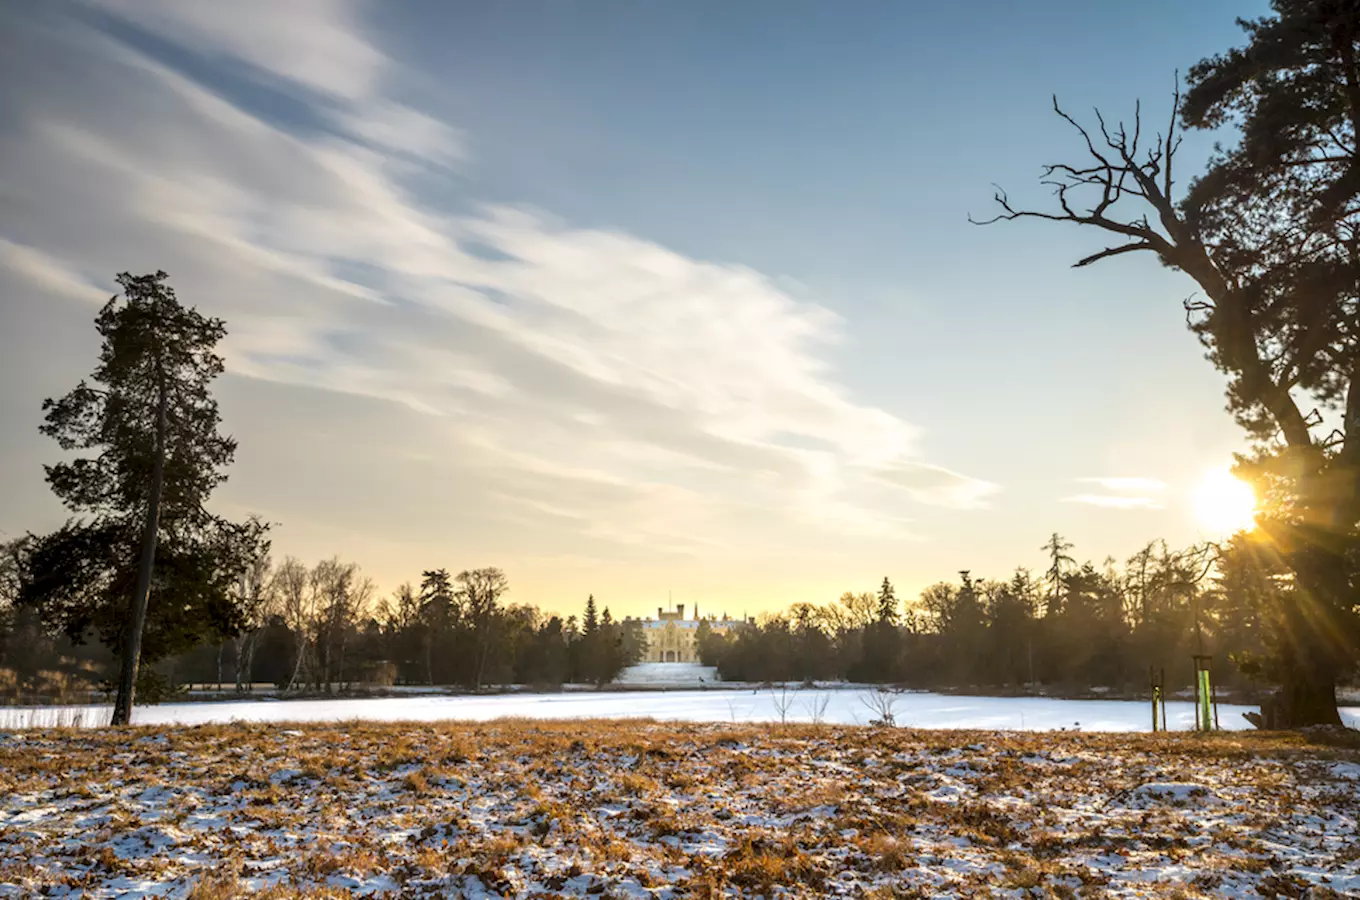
1271, 235
887, 603
151, 418
1056, 548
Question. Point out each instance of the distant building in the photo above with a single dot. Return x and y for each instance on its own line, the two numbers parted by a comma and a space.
674, 639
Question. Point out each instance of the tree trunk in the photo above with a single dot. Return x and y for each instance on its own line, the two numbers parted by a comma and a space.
297, 663
1316, 631
245, 658
340, 674
132, 646
1306, 702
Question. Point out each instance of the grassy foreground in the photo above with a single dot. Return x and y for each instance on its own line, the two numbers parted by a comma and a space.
644, 809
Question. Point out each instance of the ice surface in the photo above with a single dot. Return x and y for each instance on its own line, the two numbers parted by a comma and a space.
841, 705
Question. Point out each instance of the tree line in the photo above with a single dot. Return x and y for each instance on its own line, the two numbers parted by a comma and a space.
1072, 627
323, 629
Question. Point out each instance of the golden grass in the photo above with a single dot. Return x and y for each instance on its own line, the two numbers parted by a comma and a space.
714, 810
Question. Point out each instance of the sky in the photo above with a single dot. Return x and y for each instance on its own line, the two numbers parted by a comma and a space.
645, 300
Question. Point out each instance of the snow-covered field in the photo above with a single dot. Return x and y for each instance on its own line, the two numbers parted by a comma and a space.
847, 706
669, 810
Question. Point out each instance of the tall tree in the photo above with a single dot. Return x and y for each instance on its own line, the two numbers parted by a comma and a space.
257, 606
591, 623
1058, 561
149, 414
1271, 235
480, 591
438, 613
887, 603
297, 607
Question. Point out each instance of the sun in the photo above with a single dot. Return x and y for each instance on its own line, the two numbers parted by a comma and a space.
1224, 504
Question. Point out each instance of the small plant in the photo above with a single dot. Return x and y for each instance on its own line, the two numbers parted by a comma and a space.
881, 701
816, 707
783, 701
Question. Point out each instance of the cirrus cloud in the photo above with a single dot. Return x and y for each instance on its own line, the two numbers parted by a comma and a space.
586, 382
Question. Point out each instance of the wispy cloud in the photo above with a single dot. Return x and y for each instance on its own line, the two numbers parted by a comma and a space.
588, 379
47, 272
1114, 501
1126, 485
1123, 492
937, 485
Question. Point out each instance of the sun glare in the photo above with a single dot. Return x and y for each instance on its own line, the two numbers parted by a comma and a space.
1224, 504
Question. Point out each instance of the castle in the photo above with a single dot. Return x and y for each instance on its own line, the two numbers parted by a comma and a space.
672, 638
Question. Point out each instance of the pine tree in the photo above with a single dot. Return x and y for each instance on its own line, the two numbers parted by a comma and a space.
1056, 548
887, 603
438, 615
591, 624
153, 424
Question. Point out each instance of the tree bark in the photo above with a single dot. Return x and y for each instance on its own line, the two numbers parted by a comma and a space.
132, 647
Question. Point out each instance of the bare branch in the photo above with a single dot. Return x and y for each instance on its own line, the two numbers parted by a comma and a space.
1170, 134
1112, 251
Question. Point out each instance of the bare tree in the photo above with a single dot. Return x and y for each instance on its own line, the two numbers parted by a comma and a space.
257, 604
1271, 235
480, 591
860, 610
816, 707
783, 700
340, 594
297, 605
881, 701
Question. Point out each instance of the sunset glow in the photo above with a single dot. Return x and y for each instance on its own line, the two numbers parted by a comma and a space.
1225, 505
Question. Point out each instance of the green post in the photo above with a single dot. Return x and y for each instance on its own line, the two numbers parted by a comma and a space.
1203, 694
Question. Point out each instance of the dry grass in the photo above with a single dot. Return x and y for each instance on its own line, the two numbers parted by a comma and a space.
550, 809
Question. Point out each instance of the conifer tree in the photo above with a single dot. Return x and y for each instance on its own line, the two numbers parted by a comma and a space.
143, 562
887, 603
591, 623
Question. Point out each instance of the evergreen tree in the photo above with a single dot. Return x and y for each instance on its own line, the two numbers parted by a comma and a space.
144, 563
1056, 548
887, 603
591, 623
438, 618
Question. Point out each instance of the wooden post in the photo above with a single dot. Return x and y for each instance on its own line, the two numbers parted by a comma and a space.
1213, 693
1162, 692
1152, 685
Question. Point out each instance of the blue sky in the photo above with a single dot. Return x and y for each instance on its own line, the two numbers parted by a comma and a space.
623, 297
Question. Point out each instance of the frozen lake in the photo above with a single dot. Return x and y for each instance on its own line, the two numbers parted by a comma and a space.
848, 706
